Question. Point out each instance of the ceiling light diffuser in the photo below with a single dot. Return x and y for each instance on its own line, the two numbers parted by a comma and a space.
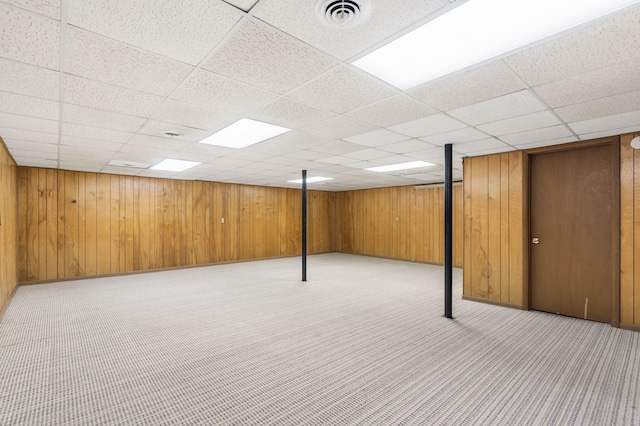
243, 133
400, 166
171, 165
311, 179
477, 31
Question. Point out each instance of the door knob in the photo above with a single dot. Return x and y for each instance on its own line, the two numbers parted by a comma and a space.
535, 240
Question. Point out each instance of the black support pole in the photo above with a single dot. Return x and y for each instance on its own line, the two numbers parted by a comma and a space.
448, 232
304, 225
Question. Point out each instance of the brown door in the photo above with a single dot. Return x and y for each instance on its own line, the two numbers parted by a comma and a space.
572, 210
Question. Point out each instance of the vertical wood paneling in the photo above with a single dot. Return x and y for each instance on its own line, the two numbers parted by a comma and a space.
128, 223
494, 228
91, 230
467, 268
23, 241
114, 238
61, 224
10, 261
42, 221
629, 232
516, 228
103, 223
82, 224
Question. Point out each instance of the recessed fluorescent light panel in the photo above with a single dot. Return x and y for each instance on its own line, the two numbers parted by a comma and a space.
477, 31
311, 179
174, 165
243, 133
401, 166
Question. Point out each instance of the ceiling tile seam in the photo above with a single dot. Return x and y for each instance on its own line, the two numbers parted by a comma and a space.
64, 18
32, 12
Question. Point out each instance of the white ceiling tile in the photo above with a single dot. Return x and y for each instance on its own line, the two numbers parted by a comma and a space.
289, 113
92, 94
338, 159
40, 155
12, 121
547, 133
377, 138
100, 118
241, 154
611, 132
387, 18
340, 127
115, 170
599, 45
28, 135
98, 145
73, 153
393, 110
618, 104
392, 159
491, 144
259, 55
335, 146
427, 126
95, 133
131, 151
29, 80
28, 161
48, 8
503, 107
29, 38
146, 158
296, 140
366, 154
601, 124
548, 143
193, 115
431, 155
342, 89
467, 134
98, 58
31, 146
522, 123
361, 165
179, 29
469, 87
156, 128
245, 5
601, 83
80, 166
29, 106
213, 91
305, 154
157, 142
405, 147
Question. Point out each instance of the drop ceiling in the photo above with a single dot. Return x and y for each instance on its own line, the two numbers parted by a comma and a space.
89, 83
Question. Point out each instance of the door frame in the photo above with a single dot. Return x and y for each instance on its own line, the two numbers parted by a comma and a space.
614, 142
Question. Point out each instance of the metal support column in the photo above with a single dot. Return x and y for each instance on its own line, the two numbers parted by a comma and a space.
448, 231
304, 225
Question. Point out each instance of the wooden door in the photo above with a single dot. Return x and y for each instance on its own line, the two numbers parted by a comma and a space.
573, 210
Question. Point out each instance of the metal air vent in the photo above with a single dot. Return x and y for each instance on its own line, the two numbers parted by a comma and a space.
343, 13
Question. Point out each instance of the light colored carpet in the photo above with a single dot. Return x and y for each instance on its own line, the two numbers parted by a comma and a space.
362, 342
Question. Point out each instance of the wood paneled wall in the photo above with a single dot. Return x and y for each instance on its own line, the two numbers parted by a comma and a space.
495, 222
399, 223
75, 224
629, 232
8, 226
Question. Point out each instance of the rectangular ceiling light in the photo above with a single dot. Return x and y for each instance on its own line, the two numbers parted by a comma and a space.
243, 133
174, 165
477, 31
311, 179
400, 166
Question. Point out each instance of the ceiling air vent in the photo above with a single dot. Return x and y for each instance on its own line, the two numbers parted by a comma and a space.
343, 13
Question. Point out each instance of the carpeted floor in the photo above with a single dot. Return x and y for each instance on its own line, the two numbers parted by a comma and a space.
362, 342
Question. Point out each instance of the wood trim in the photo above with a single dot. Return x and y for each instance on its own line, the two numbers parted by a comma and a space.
493, 302
631, 327
614, 142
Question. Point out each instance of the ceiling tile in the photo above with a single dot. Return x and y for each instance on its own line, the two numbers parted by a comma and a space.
522, 123
393, 110
92, 94
97, 133
29, 80
48, 8
245, 5
40, 155
366, 154
180, 29
335, 146
74, 152
13, 121
342, 89
213, 91
146, 157
548, 142
547, 133
392, 159
377, 138
469, 87
427, 126
338, 159
431, 155
29, 38
405, 147
503, 107
387, 18
305, 154
624, 120
611, 132
156, 128
193, 115
13, 144
120, 170
483, 145
604, 82
98, 58
618, 104
259, 55
28, 161
100, 118
157, 142
93, 144
29, 106
467, 134
28, 135
289, 113
130, 152
599, 45
339, 127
